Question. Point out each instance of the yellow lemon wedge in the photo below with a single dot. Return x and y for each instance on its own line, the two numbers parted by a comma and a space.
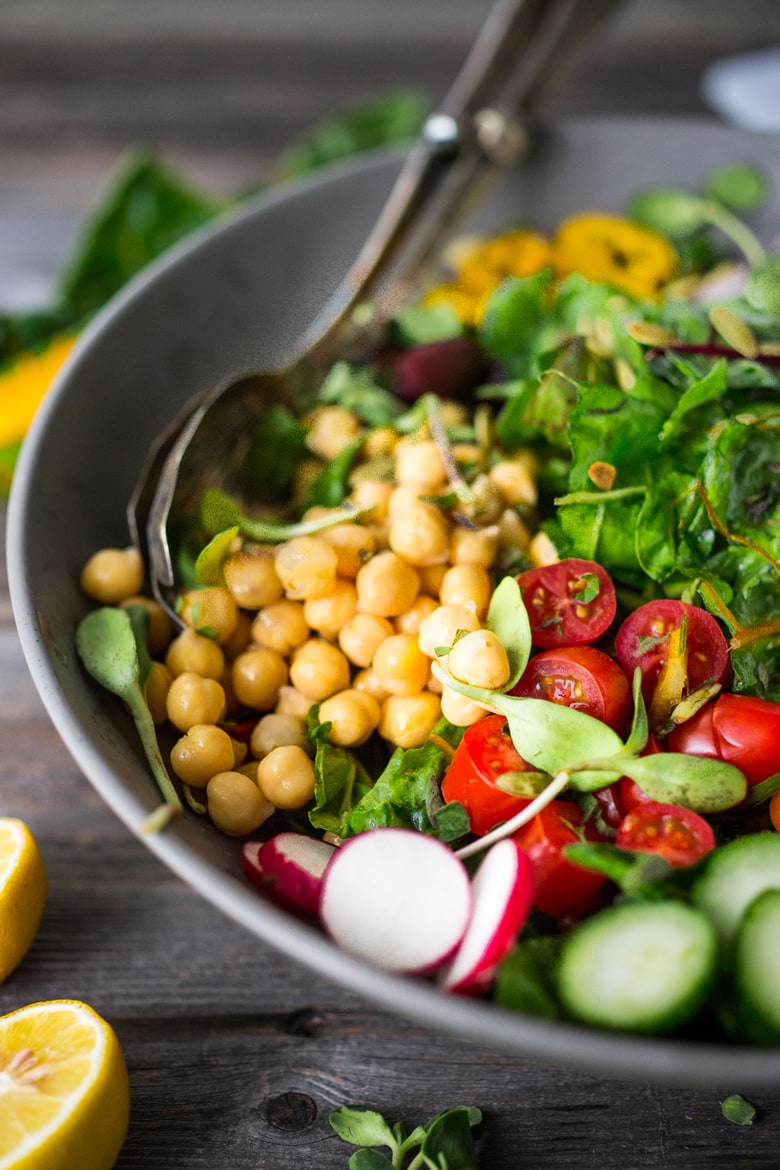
64, 1089
22, 892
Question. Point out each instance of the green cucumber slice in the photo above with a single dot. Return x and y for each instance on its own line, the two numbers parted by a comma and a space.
638, 967
732, 876
756, 967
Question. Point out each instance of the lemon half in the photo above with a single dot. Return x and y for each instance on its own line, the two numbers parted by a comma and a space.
64, 1089
22, 892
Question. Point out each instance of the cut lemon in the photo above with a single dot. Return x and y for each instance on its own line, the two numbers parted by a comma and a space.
64, 1089
22, 892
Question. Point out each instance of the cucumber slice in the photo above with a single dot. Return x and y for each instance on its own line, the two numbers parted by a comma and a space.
638, 967
734, 875
756, 967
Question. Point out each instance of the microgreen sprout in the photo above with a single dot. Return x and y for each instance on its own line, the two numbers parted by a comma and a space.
446, 1142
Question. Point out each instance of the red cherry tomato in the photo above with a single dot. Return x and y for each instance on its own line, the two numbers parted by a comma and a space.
580, 677
679, 835
628, 793
740, 729
569, 603
562, 889
484, 753
643, 638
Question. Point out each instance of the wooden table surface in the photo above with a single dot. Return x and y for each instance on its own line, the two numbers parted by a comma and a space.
236, 1054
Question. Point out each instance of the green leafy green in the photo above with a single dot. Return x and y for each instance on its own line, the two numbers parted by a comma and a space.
385, 119
446, 1142
106, 643
147, 208
737, 1110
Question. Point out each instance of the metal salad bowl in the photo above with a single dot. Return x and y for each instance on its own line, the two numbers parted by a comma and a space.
237, 296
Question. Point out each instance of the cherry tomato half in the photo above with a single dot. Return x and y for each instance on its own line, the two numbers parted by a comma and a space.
740, 729
484, 753
581, 677
643, 638
569, 603
562, 889
679, 835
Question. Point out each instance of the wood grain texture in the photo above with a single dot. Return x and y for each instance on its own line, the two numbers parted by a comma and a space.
236, 1054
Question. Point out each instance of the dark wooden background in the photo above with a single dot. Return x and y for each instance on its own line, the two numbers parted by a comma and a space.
236, 1054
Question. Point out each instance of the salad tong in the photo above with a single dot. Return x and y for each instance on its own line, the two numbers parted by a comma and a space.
482, 127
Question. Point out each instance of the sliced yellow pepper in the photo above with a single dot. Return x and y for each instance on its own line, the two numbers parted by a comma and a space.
615, 250
24, 384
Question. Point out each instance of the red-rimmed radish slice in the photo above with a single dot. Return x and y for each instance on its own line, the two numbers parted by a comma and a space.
289, 867
396, 898
503, 890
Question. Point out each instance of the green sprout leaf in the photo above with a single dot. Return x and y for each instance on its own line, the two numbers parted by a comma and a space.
737, 1110
106, 644
738, 186
362, 1127
507, 617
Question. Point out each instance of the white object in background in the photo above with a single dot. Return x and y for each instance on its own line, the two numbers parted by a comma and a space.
745, 89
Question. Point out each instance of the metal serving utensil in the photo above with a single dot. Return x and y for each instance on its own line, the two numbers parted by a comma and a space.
483, 126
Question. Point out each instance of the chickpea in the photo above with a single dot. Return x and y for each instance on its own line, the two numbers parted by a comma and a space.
407, 720
353, 543
468, 454
251, 577
236, 805
327, 615
374, 494
420, 534
470, 546
434, 685
112, 575
381, 441
286, 777
241, 636
404, 496
278, 730
410, 621
192, 699
201, 752
213, 609
361, 636
158, 684
249, 768
442, 627
513, 532
462, 583
332, 429
307, 567
319, 669
240, 752
353, 715
306, 472
257, 676
419, 461
488, 502
281, 627
291, 701
460, 710
480, 660
386, 585
514, 480
367, 682
400, 665
431, 577
159, 627
542, 551
195, 653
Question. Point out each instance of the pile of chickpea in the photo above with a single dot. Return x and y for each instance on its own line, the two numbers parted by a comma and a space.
350, 619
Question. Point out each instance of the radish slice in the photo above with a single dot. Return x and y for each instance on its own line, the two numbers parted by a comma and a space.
503, 890
289, 867
396, 898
